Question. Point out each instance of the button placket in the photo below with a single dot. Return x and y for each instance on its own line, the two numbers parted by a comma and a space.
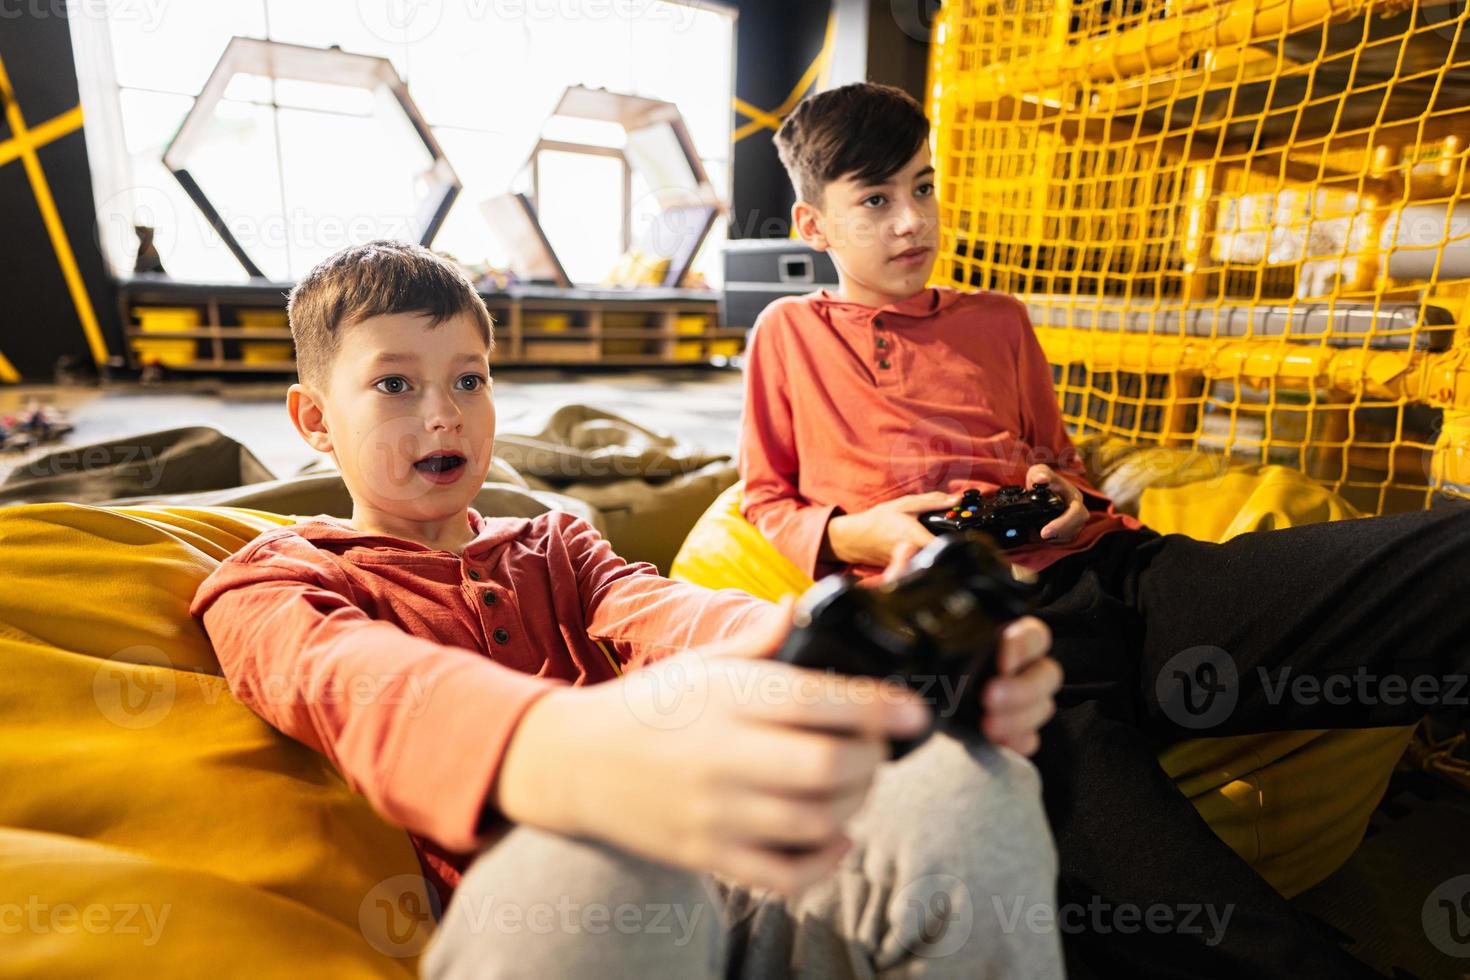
883, 344
489, 600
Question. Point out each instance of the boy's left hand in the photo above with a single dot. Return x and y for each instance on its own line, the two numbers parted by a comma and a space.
1065, 527
1018, 700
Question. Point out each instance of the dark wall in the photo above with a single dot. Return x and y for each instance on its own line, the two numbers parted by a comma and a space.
41, 321
775, 41
874, 40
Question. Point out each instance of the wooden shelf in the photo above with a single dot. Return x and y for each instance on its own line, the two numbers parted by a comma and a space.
225, 333
222, 341
264, 367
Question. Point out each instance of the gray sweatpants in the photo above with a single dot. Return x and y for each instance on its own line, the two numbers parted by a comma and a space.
952, 874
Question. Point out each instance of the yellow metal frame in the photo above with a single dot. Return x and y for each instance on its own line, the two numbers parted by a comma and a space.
1064, 167
22, 145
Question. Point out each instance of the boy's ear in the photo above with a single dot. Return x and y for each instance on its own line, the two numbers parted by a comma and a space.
305, 407
807, 221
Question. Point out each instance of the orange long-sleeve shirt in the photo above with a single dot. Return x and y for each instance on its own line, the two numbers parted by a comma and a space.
409, 668
848, 406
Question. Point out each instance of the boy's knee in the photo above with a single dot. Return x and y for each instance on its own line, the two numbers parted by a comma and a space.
539, 904
958, 836
969, 811
974, 802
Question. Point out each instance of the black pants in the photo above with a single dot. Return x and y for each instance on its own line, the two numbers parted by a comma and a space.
1350, 624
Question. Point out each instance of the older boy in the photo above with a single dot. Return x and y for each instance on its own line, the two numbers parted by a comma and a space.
882, 400
490, 684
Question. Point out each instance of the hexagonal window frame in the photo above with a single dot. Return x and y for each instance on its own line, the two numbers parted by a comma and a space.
688, 216
294, 62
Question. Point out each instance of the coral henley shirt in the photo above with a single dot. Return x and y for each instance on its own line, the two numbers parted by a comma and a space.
409, 668
848, 406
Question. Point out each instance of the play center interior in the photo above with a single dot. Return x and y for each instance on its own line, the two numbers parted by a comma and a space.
1240, 228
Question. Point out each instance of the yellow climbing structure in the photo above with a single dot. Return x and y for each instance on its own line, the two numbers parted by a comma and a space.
1238, 226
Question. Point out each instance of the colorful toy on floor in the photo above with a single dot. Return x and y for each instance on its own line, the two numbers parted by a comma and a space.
32, 426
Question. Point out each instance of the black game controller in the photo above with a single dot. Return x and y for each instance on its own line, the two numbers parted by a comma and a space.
934, 628
1012, 515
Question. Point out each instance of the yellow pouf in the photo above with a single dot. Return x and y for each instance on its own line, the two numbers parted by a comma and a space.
1293, 804
150, 824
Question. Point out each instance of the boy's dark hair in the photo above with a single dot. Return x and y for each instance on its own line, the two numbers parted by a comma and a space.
866, 130
371, 280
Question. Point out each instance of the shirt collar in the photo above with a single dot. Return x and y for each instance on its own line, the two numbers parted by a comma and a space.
925, 303
489, 532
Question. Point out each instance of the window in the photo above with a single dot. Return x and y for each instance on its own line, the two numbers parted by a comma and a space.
305, 169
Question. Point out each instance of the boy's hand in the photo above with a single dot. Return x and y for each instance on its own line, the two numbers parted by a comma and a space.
1065, 527
1018, 700
717, 760
870, 537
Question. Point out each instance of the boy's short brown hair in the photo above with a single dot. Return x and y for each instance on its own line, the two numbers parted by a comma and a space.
375, 279
866, 130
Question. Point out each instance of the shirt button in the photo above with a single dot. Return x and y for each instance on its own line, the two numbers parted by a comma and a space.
474, 575
882, 344
878, 322
502, 635
884, 364
489, 598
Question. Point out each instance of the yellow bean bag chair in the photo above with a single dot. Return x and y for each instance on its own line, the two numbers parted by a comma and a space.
150, 824
1293, 804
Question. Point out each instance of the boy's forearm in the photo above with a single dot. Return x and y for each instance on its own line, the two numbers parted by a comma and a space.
834, 539
532, 787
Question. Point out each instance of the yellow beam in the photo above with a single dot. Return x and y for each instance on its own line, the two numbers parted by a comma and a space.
758, 115
25, 138
1441, 380
49, 131
818, 71
1154, 46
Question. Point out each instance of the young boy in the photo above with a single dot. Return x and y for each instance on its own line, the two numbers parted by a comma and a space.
882, 400
564, 733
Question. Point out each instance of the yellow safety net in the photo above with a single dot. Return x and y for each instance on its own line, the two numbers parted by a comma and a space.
1239, 226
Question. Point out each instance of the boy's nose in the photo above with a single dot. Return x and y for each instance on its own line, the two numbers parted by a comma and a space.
441, 414
911, 219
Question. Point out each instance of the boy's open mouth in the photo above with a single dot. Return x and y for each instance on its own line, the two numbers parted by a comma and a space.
439, 462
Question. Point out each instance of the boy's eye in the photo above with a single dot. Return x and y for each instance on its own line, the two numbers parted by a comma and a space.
392, 385
924, 190
876, 201
476, 382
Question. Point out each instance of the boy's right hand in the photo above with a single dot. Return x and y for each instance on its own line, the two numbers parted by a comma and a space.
873, 536
718, 760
